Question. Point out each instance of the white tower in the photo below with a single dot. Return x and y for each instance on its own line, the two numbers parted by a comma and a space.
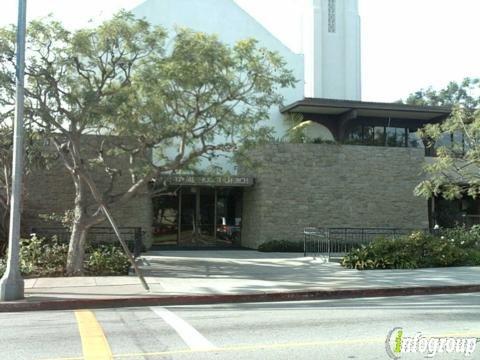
332, 49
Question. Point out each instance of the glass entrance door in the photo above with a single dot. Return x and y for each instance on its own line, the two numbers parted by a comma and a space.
165, 220
197, 217
206, 218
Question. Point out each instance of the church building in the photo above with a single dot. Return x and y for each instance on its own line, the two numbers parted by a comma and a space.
358, 168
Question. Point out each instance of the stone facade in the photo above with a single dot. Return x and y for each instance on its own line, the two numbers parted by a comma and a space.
299, 185
296, 185
52, 191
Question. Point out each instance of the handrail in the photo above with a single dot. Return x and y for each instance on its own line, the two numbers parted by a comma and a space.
328, 241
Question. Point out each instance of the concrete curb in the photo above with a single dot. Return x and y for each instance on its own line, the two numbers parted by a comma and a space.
164, 300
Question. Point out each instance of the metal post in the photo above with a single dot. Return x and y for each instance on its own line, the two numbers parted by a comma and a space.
215, 200
11, 284
198, 220
304, 243
138, 243
125, 247
179, 221
328, 243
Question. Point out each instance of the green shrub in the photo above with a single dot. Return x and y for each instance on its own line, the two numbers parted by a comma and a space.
107, 260
359, 258
473, 258
3, 267
281, 246
463, 237
453, 247
48, 257
381, 254
42, 257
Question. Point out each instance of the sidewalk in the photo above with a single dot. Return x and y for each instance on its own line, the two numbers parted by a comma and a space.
181, 277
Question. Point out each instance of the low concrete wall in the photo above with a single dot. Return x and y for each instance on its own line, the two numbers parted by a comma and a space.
298, 185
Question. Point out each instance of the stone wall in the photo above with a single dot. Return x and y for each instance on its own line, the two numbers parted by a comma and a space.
301, 185
52, 191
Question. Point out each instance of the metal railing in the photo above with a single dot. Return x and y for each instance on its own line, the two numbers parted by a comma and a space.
470, 220
133, 236
316, 241
336, 242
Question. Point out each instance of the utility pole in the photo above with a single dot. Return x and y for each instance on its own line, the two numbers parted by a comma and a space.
11, 284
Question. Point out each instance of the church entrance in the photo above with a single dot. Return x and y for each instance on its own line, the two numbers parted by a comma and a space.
198, 217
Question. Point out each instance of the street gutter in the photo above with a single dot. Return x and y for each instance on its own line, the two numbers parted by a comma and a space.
171, 300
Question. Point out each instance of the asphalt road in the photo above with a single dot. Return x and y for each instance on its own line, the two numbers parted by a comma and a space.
334, 329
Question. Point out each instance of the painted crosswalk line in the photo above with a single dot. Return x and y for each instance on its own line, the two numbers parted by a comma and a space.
187, 332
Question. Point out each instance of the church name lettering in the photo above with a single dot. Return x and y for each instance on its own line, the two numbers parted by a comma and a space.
207, 180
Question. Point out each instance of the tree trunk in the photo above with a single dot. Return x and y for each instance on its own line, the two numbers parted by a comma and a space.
76, 249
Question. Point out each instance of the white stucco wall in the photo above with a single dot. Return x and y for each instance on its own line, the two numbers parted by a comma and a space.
315, 131
330, 67
332, 58
231, 23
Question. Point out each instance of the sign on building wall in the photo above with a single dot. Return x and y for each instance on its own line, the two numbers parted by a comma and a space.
189, 180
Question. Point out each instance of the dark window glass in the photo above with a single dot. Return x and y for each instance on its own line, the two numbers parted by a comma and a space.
379, 136
401, 137
391, 134
165, 224
444, 140
355, 135
383, 136
458, 142
368, 135
414, 140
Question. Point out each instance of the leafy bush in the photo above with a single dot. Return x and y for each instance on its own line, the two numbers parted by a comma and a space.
453, 247
107, 260
281, 246
474, 258
463, 237
3, 245
42, 257
48, 257
381, 254
3, 267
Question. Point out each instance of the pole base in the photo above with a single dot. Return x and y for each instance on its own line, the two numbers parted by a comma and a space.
11, 287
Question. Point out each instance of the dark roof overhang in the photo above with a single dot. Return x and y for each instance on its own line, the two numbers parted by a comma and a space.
339, 108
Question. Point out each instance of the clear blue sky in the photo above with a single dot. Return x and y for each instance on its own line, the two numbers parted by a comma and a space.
406, 44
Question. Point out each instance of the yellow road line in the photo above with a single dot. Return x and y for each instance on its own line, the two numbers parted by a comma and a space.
94, 344
255, 347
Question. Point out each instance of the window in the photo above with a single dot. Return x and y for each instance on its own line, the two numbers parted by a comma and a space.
414, 140
458, 143
355, 135
396, 136
368, 135
454, 141
383, 136
379, 136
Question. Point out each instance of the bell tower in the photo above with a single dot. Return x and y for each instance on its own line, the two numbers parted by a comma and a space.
332, 49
